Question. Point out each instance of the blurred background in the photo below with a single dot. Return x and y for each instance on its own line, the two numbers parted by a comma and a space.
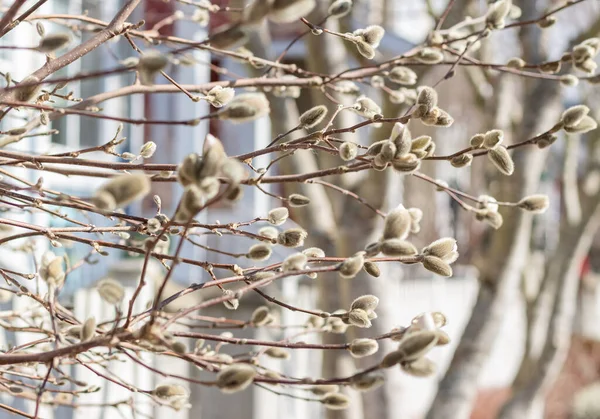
524, 302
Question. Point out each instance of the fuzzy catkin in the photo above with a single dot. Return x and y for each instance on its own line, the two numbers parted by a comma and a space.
313, 117
500, 157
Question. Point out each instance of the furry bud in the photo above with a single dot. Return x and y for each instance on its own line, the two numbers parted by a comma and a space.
278, 216
192, 201
232, 303
335, 401
403, 75
360, 348
53, 42
111, 291
502, 160
261, 316
574, 115
441, 247
359, 318
220, 96
422, 367
277, 353
295, 262
293, 237
348, 151
397, 223
429, 56
416, 344
427, 97
496, 14
462, 160
121, 190
398, 247
313, 117
235, 378
372, 269
88, 330
534, 203
352, 266
149, 65
367, 382
340, 8
493, 138
585, 125
365, 302
314, 252
148, 149
437, 266
259, 251
26, 93
516, 62
297, 200
246, 107
322, 389
477, 140
169, 391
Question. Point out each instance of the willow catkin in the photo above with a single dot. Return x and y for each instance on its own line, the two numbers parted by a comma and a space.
278, 216
169, 391
441, 247
416, 344
398, 247
574, 115
371, 35
493, 218
246, 107
228, 36
335, 401
585, 125
392, 358
322, 389
422, 367
516, 62
339, 8
27, 90
497, 12
568, 80
359, 318
314, 252
220, 96
88, 330
367, 382
232, 303
313, 117
462, 160
149, 65
192, 201
54, 41
429, 56
348, 151
428, 98
293, 237
295, 262
269, 232
148, 149
277, 353
437, 266
235, 378
352, 266
397, 223
536, 204
500, 157
121, 191
256, 11
372, 269
261, 316
420, 143
402, 75
365, 302
493, 138
285, 11
259, 252
477, 140
366, 107
111, 291
360, 348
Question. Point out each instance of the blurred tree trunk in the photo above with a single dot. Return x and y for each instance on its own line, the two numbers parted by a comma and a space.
554, 309
504, 258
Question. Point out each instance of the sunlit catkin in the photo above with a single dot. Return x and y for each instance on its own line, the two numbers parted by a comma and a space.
437, 266
397, 223
246, 107
298, 200
285, 11
335, 401
192, 201
428, 98
111, 291
493, 138
372, 269
500, 157
295, 262
278, 216
360, 348
348, 151
367, 382
403, 75
235, 378
359, 318
293, 237
149, 65
536, 204
314, 252
220, 96
365, 302
259, 251
574, 115
416, 344
121, 191
398, 247
441, 247
313, 117
88, 330
352, 266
